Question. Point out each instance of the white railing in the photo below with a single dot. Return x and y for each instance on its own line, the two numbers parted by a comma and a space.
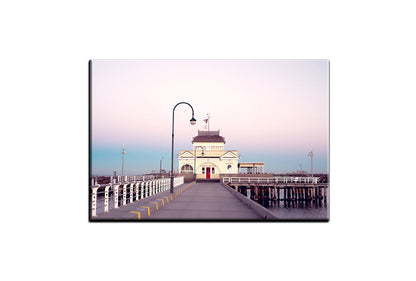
120, 179
105, 197
270, 180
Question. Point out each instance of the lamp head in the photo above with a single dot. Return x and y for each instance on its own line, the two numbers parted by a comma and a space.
193, 121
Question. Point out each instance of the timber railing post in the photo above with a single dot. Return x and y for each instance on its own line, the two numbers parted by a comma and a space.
124, 194
142, 190
115, 194
137, 191
147, 189
106, 197
131, 193
94, 201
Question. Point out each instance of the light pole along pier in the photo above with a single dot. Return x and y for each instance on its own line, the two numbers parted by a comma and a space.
193, 122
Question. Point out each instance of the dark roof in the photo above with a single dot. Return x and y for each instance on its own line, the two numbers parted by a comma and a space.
208, 136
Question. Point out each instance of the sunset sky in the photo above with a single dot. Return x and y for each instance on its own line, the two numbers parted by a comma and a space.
272, 111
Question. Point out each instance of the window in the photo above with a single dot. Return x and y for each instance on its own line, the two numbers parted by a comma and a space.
213, 170
229, 168
203, 170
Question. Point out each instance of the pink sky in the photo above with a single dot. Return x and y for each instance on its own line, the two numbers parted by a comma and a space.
268, 105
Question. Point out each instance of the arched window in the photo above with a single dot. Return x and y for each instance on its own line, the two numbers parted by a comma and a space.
203, 170
187, 169
229, 168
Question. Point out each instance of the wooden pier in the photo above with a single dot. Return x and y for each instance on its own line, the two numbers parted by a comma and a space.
279, 188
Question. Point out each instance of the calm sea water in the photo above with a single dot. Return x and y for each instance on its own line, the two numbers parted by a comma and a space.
298, 209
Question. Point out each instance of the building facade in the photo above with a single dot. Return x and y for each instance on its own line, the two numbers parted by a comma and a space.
208, 158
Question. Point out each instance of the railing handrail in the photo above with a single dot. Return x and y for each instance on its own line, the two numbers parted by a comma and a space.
289, 179
119, 178
99, 185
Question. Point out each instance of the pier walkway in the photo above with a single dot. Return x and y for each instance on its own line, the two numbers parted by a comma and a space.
207, 201
193, 201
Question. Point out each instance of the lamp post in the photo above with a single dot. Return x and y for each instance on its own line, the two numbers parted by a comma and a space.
193, 122
195, 159
160, 169
311, 155
122, 163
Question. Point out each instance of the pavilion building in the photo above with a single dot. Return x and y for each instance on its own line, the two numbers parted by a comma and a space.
209, 158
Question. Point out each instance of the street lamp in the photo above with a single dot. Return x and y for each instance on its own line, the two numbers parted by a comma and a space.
311, 155
122, 163
160, 169
193, 122
195, 159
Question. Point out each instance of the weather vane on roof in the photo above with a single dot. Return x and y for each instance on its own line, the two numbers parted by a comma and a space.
207, 121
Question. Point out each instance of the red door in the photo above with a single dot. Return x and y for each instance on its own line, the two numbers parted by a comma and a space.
208, 172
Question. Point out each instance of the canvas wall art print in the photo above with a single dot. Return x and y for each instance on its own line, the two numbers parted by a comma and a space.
208, 140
